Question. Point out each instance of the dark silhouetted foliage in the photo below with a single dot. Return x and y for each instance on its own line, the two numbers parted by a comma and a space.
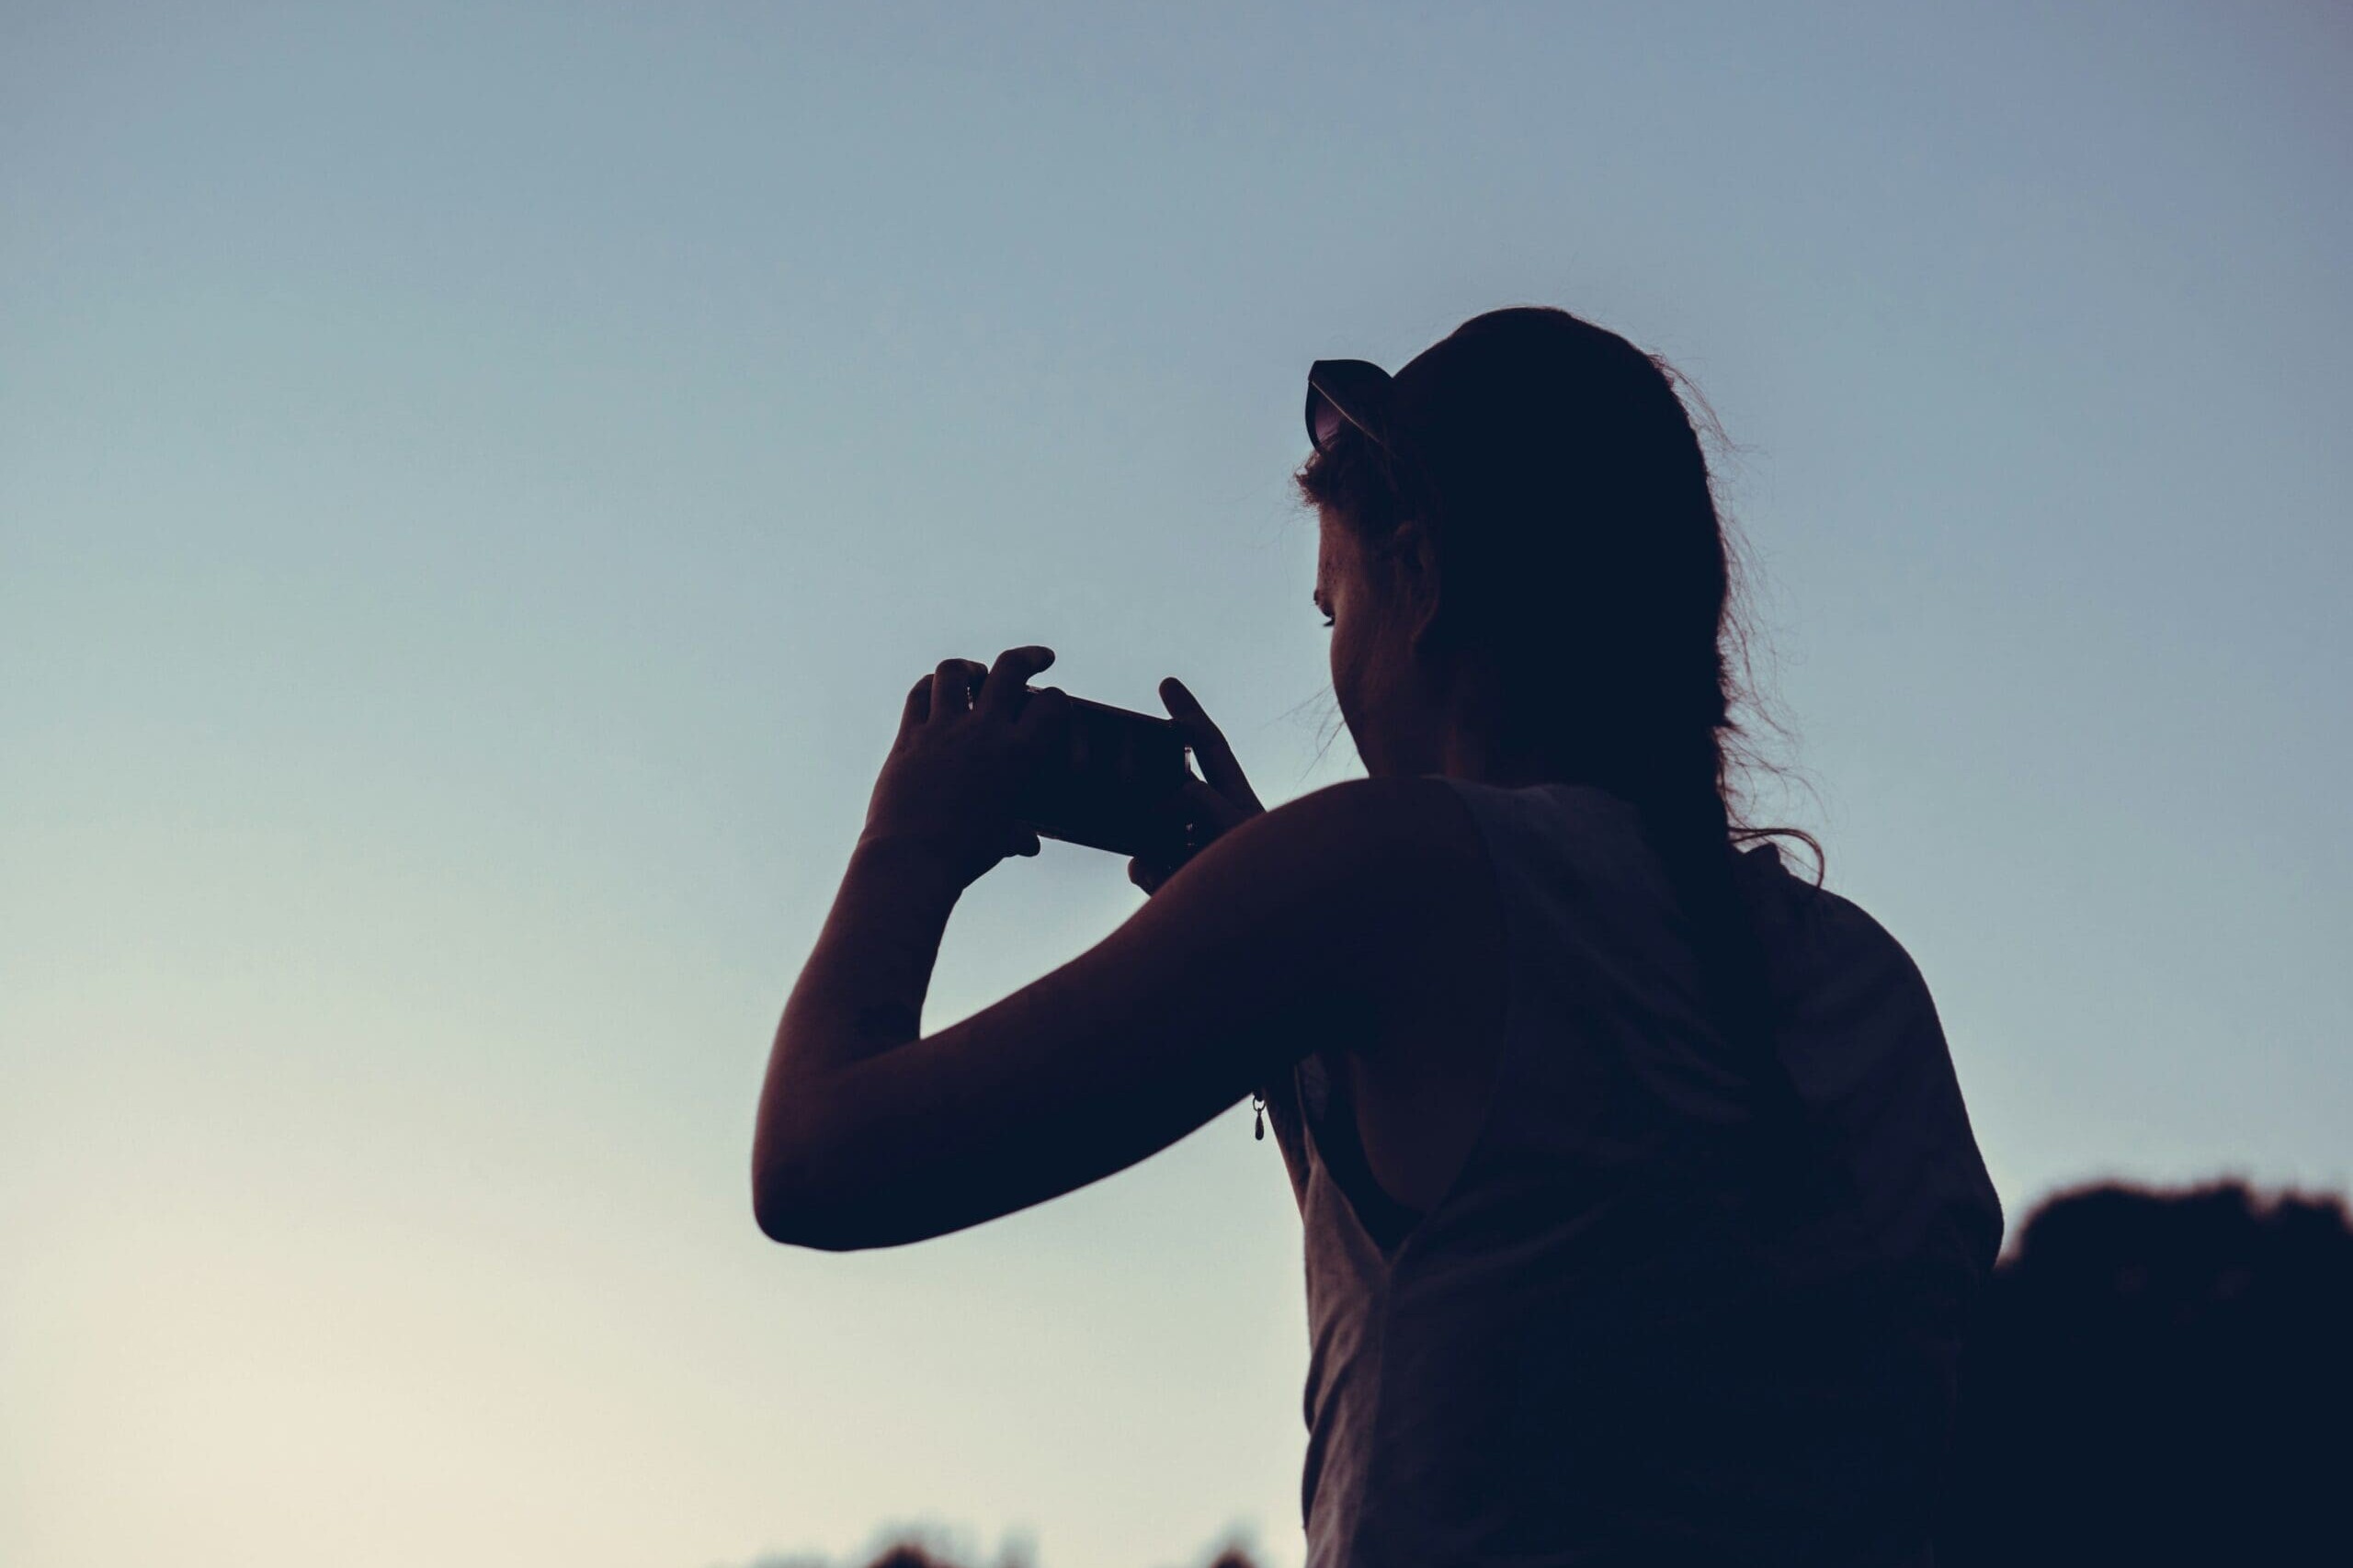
916, 1552
2160, 1377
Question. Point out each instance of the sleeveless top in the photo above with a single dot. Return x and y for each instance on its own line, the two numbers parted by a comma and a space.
1653, 1320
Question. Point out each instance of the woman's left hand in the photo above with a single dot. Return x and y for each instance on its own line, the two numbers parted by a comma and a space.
967, 737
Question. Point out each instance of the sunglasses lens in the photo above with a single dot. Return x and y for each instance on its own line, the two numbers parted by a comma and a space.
1324, 420
1359, 388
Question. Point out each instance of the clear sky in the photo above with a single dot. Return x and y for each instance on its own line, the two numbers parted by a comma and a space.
475, 484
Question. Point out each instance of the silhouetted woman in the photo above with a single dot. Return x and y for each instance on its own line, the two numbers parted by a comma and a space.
1642, 1210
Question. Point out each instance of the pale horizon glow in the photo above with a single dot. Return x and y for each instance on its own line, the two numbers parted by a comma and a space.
474, 485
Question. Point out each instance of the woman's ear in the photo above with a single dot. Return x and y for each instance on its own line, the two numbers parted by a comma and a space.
1415, 556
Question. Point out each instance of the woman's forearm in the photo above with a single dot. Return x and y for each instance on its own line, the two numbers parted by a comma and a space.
860, 994
862, 991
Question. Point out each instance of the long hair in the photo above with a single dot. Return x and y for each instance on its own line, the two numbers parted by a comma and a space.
1583, 566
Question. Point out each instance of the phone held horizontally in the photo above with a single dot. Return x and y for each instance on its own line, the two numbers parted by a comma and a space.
1116, 787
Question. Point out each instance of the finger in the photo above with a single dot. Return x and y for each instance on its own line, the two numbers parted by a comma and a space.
951, 688
1001, 692
919, 705
1044, 717
1024, 841
1210, 748
1146, 876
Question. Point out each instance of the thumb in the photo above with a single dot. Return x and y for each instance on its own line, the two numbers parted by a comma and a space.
1211, 808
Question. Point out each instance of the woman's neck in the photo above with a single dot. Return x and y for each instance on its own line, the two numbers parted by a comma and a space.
1471, 753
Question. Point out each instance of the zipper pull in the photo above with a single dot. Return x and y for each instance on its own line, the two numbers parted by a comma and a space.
1259, 1105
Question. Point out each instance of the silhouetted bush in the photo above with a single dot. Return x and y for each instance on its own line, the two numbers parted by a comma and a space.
2160, 1377
914, 1551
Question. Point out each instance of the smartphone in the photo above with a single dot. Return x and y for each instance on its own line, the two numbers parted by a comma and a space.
1115, 787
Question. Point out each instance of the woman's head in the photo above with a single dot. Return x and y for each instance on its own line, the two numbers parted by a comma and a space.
1528, 581
1529, 571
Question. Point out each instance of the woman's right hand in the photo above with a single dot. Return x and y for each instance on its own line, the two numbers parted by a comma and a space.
1221, 798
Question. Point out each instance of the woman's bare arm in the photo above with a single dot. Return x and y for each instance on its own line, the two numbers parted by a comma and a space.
1309, 924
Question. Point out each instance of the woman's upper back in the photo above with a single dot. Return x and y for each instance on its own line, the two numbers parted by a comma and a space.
1670, 1308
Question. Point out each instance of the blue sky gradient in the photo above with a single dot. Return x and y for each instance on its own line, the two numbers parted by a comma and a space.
474, 485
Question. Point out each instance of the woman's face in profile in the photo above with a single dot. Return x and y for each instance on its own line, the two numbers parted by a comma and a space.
1371, 666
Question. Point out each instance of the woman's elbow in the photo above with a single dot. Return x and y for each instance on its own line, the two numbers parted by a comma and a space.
781, 1203
792, 1203
793, 1225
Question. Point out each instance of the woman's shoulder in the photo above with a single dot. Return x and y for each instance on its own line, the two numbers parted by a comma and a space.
1430, 835
1371, 864
1367, 890
1418, 848
1379, 835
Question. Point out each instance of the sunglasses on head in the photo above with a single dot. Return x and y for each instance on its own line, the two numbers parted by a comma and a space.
1348, 394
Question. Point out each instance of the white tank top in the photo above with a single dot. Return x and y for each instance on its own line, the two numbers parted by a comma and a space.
1604, 1344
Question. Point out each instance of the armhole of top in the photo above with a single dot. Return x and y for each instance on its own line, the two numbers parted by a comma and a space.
1340, 1148
1289, 1122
